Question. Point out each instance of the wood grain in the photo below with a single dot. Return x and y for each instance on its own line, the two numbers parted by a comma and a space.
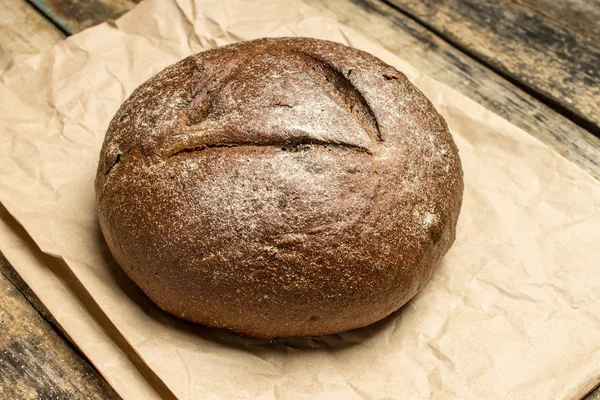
23, 30
35, 362
550, 46
73, 16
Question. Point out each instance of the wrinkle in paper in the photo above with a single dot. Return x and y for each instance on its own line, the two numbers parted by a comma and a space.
512, 312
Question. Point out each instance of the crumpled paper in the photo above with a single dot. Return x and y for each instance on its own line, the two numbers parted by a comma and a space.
513, 311
77, 314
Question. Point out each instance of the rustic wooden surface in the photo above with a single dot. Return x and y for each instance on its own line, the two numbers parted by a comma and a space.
35, 361
552, 47
407, 29
72, 16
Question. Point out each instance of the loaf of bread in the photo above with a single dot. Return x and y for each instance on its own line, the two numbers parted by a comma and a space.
279, 187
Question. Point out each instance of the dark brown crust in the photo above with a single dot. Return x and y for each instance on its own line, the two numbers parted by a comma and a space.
279, 187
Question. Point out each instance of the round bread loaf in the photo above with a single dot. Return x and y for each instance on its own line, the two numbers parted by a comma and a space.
279, 187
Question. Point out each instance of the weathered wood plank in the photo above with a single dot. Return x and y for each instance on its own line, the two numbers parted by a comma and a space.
9, 273
581, 16
24, 30
75, 15
35, 362
550, 46
435, 57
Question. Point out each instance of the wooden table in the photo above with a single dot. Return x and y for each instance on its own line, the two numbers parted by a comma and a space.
534, 62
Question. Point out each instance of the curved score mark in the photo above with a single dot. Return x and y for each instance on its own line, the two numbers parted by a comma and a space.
338, 87
334, 84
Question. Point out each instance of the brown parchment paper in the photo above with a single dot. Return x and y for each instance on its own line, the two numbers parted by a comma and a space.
512, 312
